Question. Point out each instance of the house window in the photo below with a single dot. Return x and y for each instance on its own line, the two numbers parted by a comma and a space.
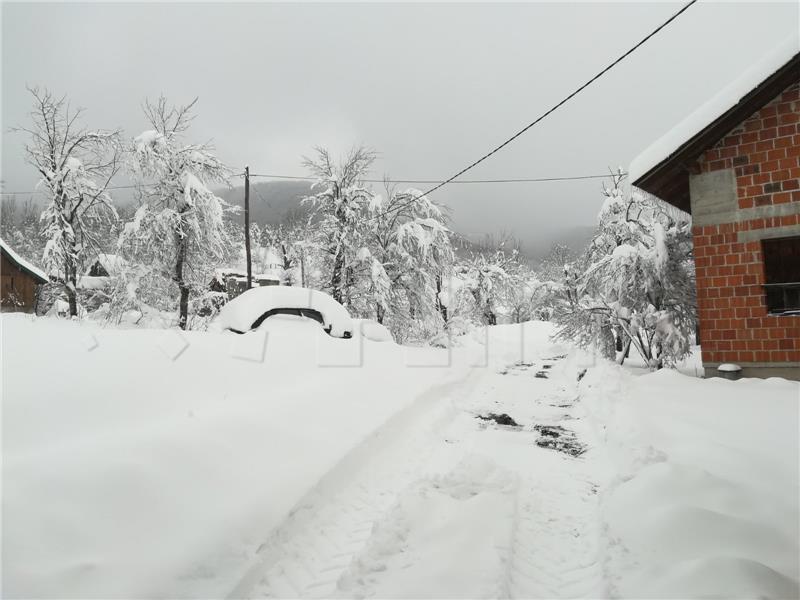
782, 271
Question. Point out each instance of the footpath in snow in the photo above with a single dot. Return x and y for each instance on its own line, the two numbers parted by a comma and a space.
207, 466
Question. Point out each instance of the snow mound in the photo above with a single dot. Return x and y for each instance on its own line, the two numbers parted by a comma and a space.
372, 330
170, 457
729, 368
241, 313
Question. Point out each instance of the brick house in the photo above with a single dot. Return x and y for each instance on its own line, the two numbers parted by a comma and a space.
734, 164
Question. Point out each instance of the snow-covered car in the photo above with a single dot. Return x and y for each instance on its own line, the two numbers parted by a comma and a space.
251, 308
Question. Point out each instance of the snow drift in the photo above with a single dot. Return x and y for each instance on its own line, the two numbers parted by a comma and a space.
152, 463
702, 491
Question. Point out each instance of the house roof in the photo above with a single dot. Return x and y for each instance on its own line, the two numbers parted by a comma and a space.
22, 264
662, 169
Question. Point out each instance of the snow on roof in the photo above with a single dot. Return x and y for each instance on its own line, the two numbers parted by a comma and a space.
728, 97
22, 263
266, 264
112, 263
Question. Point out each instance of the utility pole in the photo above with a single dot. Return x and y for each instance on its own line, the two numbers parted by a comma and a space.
247, 226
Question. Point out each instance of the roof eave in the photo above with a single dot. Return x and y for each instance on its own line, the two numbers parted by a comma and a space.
669, 179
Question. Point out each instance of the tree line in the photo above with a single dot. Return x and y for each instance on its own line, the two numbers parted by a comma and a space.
387, 255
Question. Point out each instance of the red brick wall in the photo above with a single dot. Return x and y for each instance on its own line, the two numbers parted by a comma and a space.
764, 151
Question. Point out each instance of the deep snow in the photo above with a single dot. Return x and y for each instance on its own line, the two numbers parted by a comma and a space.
285, 462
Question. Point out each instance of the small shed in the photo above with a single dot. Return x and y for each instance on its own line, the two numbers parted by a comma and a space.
106, 265
19, 282
734, 164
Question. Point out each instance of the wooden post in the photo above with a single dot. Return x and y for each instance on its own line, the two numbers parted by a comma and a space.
247, 226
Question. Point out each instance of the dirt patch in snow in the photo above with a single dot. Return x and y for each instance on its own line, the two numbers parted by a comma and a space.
560, 439
501, 419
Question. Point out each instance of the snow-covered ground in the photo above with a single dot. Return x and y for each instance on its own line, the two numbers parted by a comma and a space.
286, 463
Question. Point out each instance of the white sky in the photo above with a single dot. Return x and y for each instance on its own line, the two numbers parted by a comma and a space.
431, 87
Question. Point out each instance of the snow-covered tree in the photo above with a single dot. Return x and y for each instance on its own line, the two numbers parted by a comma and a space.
637, 285
178, 235
408, 252
76, 166
288, 241
339, 205
523, 295
488, 276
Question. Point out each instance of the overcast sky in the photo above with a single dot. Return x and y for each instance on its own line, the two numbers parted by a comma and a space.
431, 87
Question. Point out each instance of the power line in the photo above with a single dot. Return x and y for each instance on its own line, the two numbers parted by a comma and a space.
546, 113
407, 181
468, 181
440, 184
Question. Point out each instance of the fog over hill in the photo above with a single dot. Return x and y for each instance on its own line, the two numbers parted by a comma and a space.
273, 202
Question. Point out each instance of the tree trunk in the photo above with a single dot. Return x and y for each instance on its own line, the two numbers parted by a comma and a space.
625, 351
337, 276
183, 304
605, 338
302, 267
70, 286
72, 298
184, 307
439, 306
379, 313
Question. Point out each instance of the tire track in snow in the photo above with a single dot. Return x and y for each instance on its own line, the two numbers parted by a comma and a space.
305, 555
352, 534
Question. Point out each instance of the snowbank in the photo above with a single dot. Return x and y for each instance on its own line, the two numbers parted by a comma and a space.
152, 463
372, 330
728, 97
702, 494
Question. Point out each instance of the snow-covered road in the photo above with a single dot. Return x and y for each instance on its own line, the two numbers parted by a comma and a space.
442, 503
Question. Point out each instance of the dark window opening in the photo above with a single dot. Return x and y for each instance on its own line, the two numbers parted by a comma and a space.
782, 274
309, 313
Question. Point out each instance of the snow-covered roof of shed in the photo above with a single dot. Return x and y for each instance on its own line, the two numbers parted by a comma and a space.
667, 145
22, 263
112, 263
